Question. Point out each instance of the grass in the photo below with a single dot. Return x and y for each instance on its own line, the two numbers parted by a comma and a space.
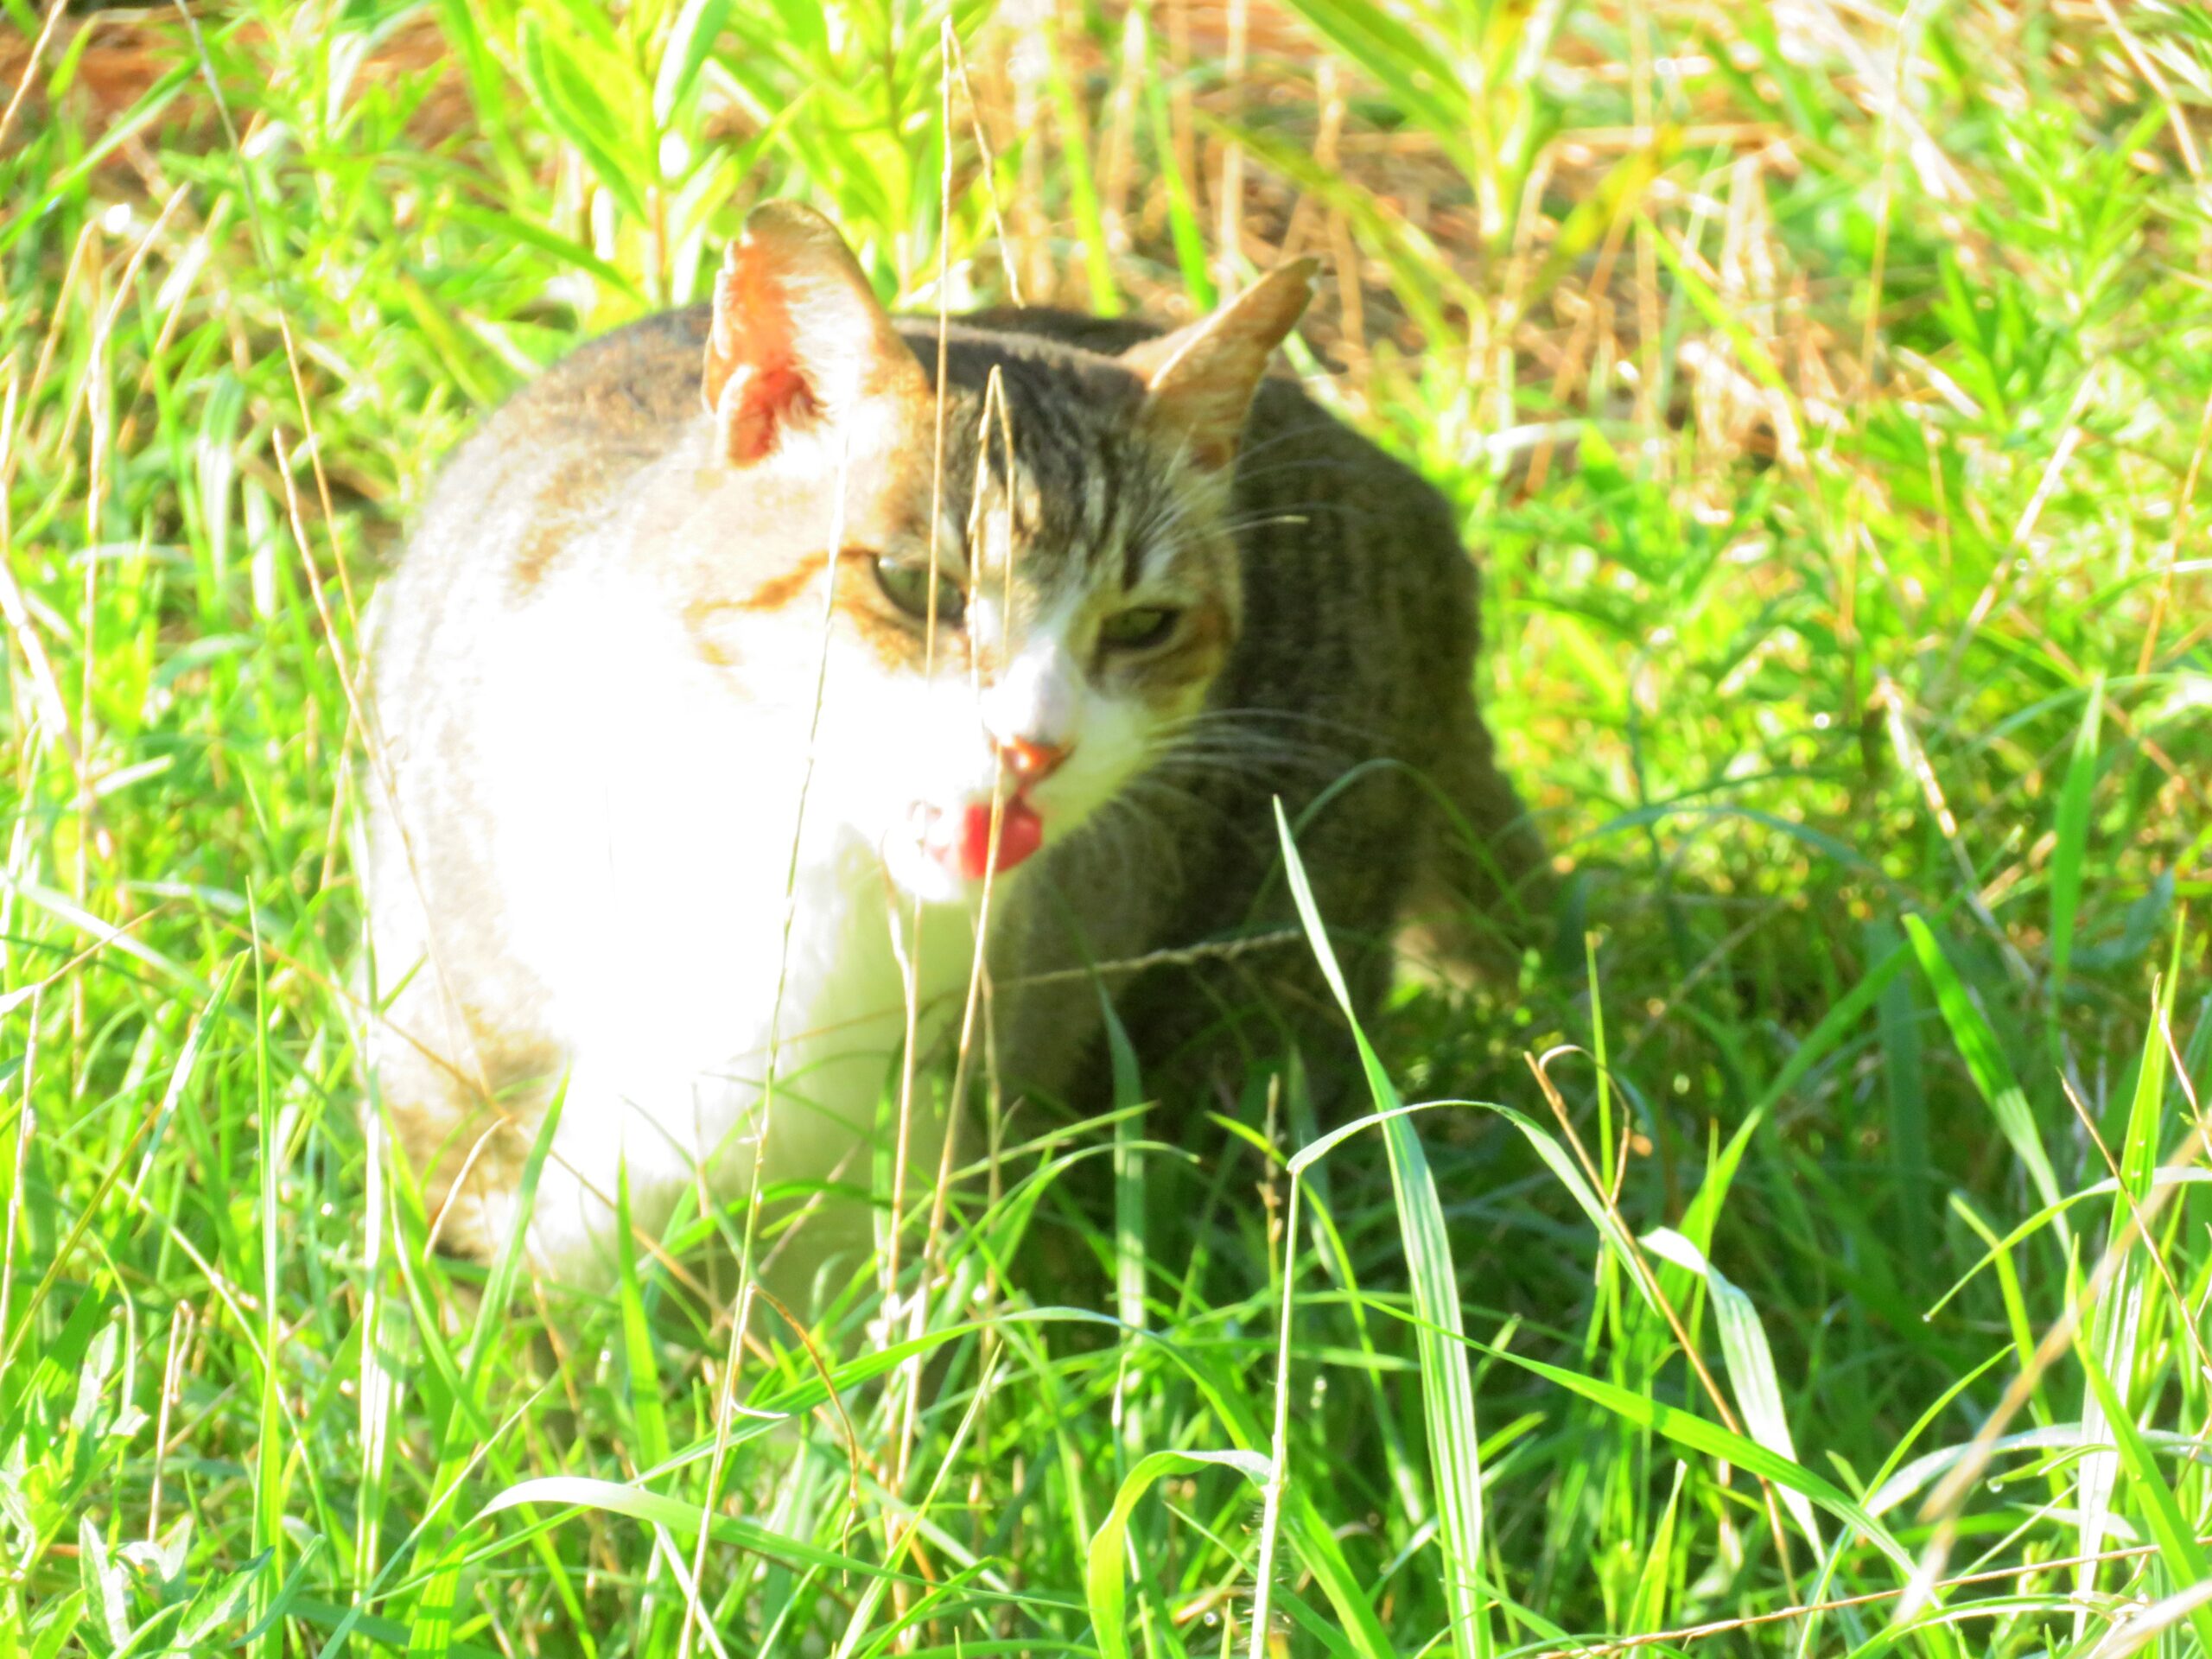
1827, 392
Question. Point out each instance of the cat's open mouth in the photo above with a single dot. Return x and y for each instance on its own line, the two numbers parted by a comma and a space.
959, 839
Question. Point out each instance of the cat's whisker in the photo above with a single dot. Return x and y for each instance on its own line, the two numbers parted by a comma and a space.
1231, 740
1265, 520
1152, 784
1242, 717
1210, 748
1252, 450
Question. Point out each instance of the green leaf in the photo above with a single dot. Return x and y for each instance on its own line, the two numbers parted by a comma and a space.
103, 1582
1103, 1579
1750, 1363
1986, 1061
689, 42
2116, 1329
432, 1630
1648, 1604
2069, 854
682, 1519
574, 107
1715, 1441
286, 1595
2162, 1513
429, 1633
654, 1447
1838, 1020
1718, 314
516, 227
1420, 82
1447, 1390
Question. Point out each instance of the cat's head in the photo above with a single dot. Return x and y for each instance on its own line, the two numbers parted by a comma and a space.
1027, 574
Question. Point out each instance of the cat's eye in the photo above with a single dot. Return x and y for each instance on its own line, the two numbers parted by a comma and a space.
1135, 629
907, 586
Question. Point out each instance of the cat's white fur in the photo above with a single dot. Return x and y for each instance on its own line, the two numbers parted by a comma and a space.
649, 842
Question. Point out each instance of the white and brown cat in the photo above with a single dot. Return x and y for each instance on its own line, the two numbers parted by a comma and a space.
677, 729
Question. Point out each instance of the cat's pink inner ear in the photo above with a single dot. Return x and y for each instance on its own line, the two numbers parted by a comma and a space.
798, 339
1201, 379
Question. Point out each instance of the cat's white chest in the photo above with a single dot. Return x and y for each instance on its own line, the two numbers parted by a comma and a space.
704, 952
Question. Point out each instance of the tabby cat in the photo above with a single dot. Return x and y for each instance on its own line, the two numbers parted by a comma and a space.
752, 633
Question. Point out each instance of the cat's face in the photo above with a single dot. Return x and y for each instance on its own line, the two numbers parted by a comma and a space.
1074, 632
1013, 635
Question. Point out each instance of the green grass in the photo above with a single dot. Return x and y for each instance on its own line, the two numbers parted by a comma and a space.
1827, 393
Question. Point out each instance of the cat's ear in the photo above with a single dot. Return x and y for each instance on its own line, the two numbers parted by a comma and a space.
1201, 377
798, 340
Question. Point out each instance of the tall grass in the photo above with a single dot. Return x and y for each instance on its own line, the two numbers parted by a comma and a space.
1823, 1270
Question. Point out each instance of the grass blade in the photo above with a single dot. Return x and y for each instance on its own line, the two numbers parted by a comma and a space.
2117, 1326
653, 1447
1103, 1578
1750, 1365
2161, 1511
1698, 1434
1986, 1061
2068, 855
1447, 1390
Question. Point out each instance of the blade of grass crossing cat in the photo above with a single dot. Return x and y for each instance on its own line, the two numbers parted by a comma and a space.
1447, 1389
499, 1288
1128, 1222
382, 1321
1130, 1416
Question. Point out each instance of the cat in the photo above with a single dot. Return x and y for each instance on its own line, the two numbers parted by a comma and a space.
752, 631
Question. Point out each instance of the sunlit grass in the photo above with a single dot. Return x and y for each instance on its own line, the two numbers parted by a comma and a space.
1826, 394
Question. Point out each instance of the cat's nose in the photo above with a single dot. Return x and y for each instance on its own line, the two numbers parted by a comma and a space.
1032, 761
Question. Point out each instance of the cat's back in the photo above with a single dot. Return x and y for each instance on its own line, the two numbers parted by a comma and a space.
585, 425
514, 496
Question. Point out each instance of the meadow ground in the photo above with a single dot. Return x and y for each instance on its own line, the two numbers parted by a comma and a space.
1827, 388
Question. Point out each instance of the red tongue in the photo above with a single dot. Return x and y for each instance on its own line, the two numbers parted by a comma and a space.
1021, 832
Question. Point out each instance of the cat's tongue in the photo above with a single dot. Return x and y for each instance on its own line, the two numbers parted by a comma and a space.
1021, 832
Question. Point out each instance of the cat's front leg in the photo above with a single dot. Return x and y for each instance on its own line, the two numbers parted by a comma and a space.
617, 1121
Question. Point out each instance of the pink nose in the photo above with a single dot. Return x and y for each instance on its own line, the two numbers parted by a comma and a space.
1030, 761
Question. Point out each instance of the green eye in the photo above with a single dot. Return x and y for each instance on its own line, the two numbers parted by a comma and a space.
1134, 629
907, 586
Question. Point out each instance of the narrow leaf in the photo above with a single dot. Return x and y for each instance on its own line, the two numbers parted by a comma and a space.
1447, 1390
1104, 1580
